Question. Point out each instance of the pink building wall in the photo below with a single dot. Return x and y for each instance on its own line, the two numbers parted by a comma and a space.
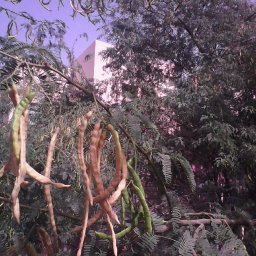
92, 63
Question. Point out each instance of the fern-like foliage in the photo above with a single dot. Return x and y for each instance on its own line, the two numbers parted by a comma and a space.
156, 219
233, 246
176, 214
181, 164
176, 163
89, 244
147, 243
29, 52
166, 167
9, 74
187, 244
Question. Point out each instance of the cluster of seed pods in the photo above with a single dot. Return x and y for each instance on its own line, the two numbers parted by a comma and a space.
105, 197
17, 159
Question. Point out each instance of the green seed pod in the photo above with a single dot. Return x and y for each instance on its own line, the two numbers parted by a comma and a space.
145, 207
125, 196
19, 110
123, 212
122, 233
135, 176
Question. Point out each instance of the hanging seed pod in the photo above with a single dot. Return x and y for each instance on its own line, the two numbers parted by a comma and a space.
135, 176
47, 188
80, 150
117, 176
13, 94
122, 233
19, 110
122, 183
147, 215
85, 224
22, 169
94, 159
46, 242
42, 179
113, 235
94, 164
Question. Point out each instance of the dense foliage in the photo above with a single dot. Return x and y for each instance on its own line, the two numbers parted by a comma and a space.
186, 74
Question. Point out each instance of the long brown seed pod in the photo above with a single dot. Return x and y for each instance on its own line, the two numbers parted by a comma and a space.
41, 178
13, 94
6, 168
91, 221
96, 215
116, 194
94, 159
22, 169
95, 168
80, 150
117, 176
85, 224
122, 183
108, 209
47, 188
45, 241
112, 234
111, 200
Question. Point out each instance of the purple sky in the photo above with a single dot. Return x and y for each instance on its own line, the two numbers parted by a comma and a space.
76, 26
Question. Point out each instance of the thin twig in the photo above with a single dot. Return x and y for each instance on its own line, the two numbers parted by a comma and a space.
6, 200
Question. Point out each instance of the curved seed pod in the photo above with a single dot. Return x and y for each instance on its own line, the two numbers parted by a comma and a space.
147, 215
135, 177
112, 200
85, 223
122, 233
87, 179
45, 241
6, 168
13, 94
113, 235
127, 200
22, 170
117, 176
16, 202
80, 151
41, 178
19, 110
94, 166
47, 188
122, 183
91, 221
99, 213
30, 249
94, 159
123, 212
108, 209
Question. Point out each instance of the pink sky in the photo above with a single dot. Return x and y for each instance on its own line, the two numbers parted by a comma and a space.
76, 26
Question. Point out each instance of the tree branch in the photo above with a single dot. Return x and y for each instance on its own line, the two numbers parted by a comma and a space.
106, 108
191, 34
6, 200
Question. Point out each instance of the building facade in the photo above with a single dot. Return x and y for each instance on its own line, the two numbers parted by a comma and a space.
92, 62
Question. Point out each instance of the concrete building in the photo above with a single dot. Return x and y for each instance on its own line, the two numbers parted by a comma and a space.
92, 62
